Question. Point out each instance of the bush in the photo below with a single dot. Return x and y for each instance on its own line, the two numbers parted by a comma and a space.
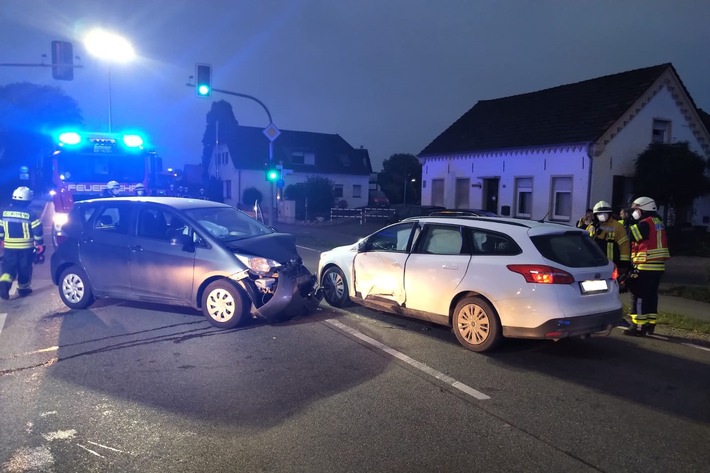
251, 195
688, 241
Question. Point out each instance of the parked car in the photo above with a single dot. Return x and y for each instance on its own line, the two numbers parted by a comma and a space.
488, 278
400, 212
463, 213
378, 199
186, 252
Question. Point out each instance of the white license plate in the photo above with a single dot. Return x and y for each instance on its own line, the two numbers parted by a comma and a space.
596, 285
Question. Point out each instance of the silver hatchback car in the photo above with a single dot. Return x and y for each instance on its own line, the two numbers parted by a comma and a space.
186, 252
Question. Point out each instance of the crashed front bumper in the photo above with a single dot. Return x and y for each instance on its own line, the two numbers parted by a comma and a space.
290, 291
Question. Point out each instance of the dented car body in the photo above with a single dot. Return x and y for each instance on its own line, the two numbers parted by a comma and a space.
185, 252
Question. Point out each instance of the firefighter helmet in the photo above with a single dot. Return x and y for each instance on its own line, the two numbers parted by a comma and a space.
602, 207
140, 189
646, 204
22, 193
113, 185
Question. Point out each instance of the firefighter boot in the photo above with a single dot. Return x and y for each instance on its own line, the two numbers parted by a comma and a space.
4, 290
24, 292
634, 330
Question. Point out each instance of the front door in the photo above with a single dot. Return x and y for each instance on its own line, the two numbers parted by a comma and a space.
490, 193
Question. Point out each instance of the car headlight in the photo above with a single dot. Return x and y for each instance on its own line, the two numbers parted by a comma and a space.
258, 264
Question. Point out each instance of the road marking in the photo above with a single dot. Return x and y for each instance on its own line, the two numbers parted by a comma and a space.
2, 321
105, 446
696, 346
410, 361
90, 450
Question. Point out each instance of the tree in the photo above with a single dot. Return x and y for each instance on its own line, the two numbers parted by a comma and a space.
397, 171
672, 174
29, 115
251, 195
221, 113
314, 198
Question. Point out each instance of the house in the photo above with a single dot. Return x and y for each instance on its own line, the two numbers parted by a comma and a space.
554, 153
241, 163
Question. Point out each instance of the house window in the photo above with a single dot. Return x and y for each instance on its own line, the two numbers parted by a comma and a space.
562, 198
301, 157
523, 197
357, 191
661, 131
338, 191
463, 187
228, 189
437, 192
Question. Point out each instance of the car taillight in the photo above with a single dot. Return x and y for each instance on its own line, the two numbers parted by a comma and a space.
542, 274
615, 273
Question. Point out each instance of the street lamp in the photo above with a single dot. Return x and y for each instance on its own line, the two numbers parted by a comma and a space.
404, 200
111, 48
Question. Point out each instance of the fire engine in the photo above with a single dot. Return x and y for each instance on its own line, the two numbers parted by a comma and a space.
84, 162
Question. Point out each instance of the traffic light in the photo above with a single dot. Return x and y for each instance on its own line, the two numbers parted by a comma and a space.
203, 80
62, 60
272, 174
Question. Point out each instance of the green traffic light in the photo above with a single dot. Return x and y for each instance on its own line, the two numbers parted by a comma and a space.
272, 175
203, 90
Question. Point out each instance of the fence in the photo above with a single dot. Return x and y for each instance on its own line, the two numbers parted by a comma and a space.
363, 215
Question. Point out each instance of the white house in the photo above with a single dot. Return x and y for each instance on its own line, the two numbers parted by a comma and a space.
242, 160
554, 153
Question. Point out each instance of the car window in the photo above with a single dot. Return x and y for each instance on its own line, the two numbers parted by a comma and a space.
573, 249
113, 218
392, 238
492, 243
152, 223
442, 240
227, 223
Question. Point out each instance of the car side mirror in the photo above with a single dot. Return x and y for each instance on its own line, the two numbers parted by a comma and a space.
362, 246
184, 241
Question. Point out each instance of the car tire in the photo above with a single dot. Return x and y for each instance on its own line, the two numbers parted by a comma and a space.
224, 304
476, 325
335, 287
74, 288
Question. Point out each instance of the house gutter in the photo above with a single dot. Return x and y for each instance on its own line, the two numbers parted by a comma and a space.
591, 150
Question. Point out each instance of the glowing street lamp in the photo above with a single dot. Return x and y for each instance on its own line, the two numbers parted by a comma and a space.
109, 47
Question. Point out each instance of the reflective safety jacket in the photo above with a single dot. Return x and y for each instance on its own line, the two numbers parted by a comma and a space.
612, 239
649, 246
20, 228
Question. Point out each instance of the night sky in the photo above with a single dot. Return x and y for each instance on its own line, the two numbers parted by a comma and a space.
387, 75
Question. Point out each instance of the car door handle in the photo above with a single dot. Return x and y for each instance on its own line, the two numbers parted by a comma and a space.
449, 266
135, 248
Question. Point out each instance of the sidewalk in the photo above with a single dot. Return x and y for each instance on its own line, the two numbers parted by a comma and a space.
680, 270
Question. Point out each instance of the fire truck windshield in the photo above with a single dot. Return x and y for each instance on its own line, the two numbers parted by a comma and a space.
92, 167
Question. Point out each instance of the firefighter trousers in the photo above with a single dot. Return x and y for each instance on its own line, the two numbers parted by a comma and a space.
644, 291
17, 263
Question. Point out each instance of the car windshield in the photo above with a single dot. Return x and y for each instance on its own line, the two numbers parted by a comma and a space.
227, 223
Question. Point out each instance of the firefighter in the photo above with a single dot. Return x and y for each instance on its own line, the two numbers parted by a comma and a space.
203, 195
610, 235
649, 252
113, 189
21, 233
139, 189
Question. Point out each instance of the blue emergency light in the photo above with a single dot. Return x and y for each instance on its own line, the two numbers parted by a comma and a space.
70, 138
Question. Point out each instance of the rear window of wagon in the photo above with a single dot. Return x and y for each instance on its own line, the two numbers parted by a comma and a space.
572, 249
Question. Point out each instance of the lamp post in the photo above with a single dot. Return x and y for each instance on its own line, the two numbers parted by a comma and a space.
404, 200
111, 48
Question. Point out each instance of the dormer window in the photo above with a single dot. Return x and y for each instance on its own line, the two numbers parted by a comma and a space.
344, 160
303, 157
661, 131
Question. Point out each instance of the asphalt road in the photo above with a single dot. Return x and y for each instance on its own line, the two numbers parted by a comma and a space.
124, 386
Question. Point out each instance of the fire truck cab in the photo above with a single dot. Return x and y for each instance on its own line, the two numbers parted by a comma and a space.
84, 162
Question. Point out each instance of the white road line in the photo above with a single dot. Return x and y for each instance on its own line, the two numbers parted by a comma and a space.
90, 450
105, 446
696, 346
2, 321
416, 364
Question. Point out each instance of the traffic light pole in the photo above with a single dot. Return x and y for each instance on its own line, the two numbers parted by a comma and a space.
271, 142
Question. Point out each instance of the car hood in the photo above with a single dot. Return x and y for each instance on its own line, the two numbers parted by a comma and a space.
277, 246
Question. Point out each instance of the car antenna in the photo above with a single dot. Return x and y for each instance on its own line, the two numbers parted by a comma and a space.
542, 220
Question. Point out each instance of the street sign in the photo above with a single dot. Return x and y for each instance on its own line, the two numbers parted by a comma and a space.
272, 132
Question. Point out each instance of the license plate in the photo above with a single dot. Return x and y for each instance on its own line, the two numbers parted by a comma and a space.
596, 285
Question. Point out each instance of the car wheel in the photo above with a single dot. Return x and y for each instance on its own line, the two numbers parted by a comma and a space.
224, 304
74, 288
476, 325
335, 287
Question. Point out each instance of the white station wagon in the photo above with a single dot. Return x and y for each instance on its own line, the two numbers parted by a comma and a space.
487, 278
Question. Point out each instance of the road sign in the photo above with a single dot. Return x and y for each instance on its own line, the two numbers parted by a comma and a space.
272, 132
